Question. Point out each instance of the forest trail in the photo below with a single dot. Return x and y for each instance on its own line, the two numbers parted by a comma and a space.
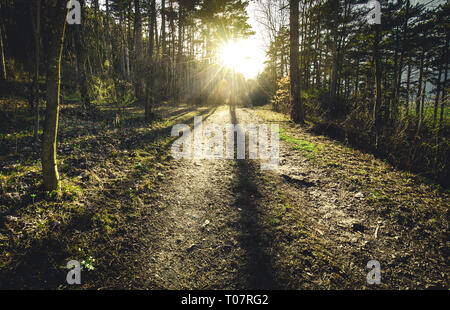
152, 222
226, 224
207, 232
91, 95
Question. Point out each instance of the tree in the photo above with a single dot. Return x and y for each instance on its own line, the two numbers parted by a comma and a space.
150, 78
297, 106
55, 29
81, 61
377, 63
139, 51
37, 49
2, 51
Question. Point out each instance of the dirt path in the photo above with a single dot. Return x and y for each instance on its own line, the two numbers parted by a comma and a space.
225, 224
206, 237
152, 222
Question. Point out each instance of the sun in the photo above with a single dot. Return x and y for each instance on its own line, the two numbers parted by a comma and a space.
242, 56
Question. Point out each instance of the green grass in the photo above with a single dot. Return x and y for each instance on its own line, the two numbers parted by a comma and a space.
308, 148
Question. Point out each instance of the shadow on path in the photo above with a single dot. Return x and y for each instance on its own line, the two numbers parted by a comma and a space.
258, 268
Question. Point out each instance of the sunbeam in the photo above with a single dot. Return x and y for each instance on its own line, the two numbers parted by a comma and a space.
240, 56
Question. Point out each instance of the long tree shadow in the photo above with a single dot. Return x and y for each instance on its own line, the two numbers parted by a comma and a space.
258, 270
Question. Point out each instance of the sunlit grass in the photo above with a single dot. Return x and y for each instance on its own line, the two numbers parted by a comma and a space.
299, 144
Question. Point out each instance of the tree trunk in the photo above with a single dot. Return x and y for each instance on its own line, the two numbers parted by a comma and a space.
150, 78
180, 66
419, 84
55, 29
444, 89
98, 53
164, 55
422, 107
402, 54
378, 75
2, 51
138, 50
297, 115
37, 47
317, 48
155, 26
108, 38
163, 28
173, 54
357, 78
392, 109
438, 92
81, 56
408, 82
125, 60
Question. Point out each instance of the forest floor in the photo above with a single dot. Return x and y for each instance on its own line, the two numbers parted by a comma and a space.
144, 220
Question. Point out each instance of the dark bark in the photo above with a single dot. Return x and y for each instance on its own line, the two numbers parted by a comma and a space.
408, 82
37, 57
138, 50
444, 89
163, 28
402, 54
438, 92
378, 76
422, 107
55, 29
165, 56
172, 79
108, 37
81, 63
419, 83
297, 106
150, 78
180, 66
2, 51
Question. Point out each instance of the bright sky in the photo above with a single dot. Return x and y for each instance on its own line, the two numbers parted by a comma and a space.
243, 57
255, 44
246, 56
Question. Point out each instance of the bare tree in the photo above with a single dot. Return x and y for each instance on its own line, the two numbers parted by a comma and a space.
56, 28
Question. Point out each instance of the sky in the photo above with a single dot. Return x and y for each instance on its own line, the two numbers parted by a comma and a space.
256, 43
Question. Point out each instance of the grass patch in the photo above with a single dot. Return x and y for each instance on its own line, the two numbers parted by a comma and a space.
309, 149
